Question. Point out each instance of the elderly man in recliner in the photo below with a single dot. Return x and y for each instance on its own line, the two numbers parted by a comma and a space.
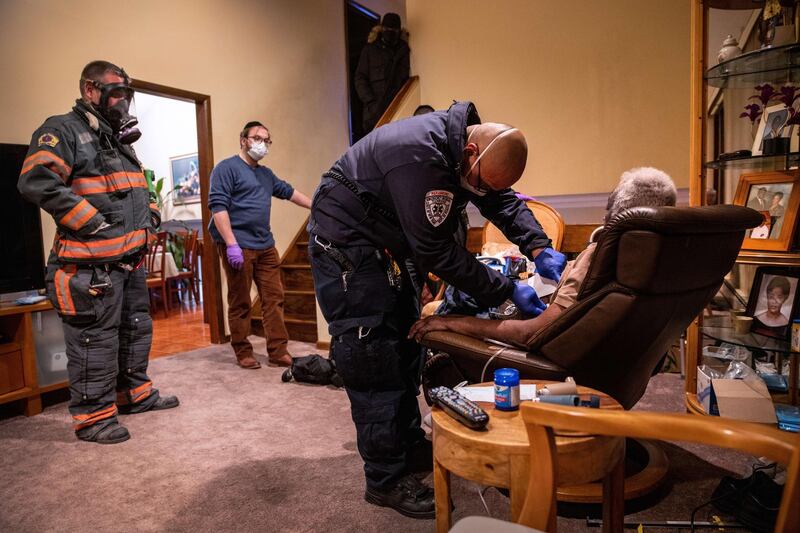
637, 187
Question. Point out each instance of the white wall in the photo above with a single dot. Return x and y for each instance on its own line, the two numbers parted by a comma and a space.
169, 129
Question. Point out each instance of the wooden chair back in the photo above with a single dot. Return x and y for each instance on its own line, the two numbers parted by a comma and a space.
550, 220
156, 256
188, 239
543, 421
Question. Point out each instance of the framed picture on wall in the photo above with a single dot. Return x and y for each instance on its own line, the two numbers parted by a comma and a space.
185, 170
773, 301
776, 195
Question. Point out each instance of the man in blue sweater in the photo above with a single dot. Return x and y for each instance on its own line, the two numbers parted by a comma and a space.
240, 199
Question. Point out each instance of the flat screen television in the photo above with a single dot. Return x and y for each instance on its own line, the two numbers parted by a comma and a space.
21, 251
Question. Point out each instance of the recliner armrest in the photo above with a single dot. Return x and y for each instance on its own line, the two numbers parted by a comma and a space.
471, 355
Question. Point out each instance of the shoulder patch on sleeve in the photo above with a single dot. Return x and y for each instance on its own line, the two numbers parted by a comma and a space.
49, 139
437, 206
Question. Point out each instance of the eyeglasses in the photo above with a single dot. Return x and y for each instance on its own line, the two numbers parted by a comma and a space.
267, 141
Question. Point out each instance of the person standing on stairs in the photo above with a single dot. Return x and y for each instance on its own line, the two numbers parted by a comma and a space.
240, 198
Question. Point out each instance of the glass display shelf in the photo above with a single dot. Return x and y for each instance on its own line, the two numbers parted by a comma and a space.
758, 162
780, 64
720, 328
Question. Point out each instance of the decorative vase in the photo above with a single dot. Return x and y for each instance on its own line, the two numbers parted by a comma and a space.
730, 49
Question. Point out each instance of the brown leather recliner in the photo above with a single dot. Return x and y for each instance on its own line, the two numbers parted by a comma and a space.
653, 271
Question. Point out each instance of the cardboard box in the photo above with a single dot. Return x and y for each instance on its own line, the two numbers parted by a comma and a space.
735, 398
744, 400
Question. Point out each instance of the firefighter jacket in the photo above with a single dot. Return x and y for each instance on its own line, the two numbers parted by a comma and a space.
410, 170
93, 187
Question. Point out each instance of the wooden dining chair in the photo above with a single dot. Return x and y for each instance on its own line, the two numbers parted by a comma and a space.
549, 219
156, 279
186, 278
544, 421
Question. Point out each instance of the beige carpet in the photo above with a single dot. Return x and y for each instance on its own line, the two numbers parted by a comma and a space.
245, 452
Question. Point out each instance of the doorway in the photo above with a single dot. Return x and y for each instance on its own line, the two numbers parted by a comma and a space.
200, 108
359, 21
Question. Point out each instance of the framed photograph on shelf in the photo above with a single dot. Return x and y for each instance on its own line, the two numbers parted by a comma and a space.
185, 170
773, 301
776, 195
772, 125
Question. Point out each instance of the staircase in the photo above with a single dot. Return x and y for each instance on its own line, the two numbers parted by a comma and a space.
300, 303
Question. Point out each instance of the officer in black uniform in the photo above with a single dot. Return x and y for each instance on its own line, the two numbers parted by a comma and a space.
392, 198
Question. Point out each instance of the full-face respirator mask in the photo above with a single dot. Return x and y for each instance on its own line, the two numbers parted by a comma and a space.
119, 115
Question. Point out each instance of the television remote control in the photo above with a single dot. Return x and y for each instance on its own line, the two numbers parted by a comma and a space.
465, 411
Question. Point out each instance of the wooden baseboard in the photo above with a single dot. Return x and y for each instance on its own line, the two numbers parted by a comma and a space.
324, 345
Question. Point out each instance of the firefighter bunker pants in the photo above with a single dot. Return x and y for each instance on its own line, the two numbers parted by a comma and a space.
369, 315
108, 331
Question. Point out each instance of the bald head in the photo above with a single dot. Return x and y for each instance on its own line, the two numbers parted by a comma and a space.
502, 151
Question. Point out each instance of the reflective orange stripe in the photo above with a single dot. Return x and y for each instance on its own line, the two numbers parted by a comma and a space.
141, 392
63, 294
135, 395
102, 247
107, 183
78, 215
83, 421
49, 160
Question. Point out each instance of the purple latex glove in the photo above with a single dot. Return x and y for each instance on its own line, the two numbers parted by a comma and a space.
550, 264
527, 301
235, 256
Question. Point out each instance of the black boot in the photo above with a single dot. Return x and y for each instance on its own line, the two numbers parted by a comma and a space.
163, 402
408, 497
108, 434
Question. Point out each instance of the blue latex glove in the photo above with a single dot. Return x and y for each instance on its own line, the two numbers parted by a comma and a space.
235, 256
527, 301
550, 264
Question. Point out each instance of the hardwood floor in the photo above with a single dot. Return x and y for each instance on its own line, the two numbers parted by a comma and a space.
183, 330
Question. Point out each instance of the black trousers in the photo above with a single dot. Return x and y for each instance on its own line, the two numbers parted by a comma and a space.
108, 332
369, 318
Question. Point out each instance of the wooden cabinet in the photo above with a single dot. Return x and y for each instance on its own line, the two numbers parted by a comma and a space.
18, 372
714, 130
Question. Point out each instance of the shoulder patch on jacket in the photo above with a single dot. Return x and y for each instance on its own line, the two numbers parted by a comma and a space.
437, 206
49, 139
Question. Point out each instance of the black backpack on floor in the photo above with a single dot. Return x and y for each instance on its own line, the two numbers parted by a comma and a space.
313, 369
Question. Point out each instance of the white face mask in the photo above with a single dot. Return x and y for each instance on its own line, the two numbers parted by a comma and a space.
258, 150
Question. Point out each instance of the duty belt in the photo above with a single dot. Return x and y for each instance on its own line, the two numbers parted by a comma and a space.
368, 200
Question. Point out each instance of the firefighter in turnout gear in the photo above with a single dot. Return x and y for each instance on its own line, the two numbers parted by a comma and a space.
81, 169
392, 201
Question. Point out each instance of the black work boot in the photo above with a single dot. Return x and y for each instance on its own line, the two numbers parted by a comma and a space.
163, 402
108, 434
408, 497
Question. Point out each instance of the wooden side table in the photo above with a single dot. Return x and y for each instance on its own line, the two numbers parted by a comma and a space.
499, 456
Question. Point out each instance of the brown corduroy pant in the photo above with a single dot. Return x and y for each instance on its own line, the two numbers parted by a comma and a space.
261, 267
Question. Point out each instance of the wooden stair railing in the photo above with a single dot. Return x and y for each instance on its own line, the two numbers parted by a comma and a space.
300, 303
397, 103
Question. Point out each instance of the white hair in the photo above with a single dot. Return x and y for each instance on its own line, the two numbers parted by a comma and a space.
642, 186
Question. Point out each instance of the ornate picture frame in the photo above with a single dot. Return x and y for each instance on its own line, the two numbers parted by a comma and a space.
777, 196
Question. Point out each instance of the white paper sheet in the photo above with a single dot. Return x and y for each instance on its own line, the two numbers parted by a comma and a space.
486, 393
